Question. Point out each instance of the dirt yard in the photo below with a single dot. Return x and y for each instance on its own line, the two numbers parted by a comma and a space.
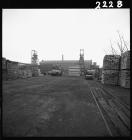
52, 106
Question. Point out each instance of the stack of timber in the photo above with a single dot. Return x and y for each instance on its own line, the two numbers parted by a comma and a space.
39, 72
4, 69
125, 70
29, 73
4, 63
21, 69
12, 69
110, 77
35, 71
100, 74
4, 75
111, 62
74, 71
24, 71
125, 60
111, 67
97, 73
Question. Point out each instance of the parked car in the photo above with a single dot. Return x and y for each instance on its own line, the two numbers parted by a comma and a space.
89, 74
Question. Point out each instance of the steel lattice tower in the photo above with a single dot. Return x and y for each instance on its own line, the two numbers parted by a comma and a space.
81, 61
34, 57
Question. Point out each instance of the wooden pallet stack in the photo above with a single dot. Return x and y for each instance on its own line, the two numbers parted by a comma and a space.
125, 70
111, 67
74, 71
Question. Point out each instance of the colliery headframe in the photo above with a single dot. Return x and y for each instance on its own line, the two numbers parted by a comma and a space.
115, 69
66, 97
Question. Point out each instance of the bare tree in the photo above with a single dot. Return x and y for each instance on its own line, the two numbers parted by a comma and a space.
114, 52
124, 43
122, 46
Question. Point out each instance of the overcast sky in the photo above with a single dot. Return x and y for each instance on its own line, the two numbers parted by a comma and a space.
53, 32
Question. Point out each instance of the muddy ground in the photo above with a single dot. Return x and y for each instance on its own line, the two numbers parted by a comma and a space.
53, 106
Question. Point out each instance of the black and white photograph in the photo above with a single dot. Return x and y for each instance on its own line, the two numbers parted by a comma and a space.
66, 72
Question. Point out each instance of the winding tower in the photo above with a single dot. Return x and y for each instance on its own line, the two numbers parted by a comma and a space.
81, 61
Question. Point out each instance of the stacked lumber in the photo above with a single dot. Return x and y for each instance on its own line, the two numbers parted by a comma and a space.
125, 70
21, 71
97, 73
29, 73
74, 71
39, 72
4, 69
111, 62
24, 74
110, 77
4, 63
35, 72
4, 75
125, 78
25, 71
125, 60
12, 69
111, 67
